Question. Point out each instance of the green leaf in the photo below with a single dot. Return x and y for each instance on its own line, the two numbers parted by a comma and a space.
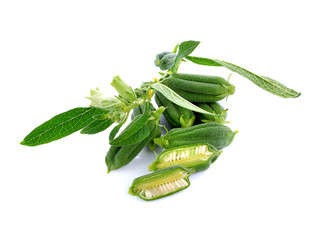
100, 117
97, 126
204, 61
114, 131
136, 137
175, 48
135, 132
266, 83
61, 125
184, 49
175, 98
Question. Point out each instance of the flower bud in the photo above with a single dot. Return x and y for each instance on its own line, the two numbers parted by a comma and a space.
99, 99
123, 89
165, 60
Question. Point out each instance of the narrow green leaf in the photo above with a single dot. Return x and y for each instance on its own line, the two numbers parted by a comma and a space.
266, 83
97, 126
61, 125
175, 48
279, 89
175, 98
100, 117
136, 137
184, 49
114, 131
135, 132
204, 61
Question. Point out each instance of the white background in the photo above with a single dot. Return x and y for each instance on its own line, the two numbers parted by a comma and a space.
269, 184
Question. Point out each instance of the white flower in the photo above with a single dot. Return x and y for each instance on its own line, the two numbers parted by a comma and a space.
99, 99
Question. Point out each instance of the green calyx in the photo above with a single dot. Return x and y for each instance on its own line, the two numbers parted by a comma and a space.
212, 107
188, 123
161, 141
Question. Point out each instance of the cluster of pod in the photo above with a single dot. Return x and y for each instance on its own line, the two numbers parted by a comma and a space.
193, 144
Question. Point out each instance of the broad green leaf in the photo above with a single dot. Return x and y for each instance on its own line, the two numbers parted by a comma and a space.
184, 49
135, 132
97, 126
175, 98
266, 83
62, 125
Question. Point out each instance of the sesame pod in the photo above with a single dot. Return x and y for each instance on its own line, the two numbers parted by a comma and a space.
165, 60
213, 107
176, 115
197, 157
161, 183
119, 156
213, 133
199, 88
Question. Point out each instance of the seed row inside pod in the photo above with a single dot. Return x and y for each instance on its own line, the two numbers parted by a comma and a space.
161, 183
197, 157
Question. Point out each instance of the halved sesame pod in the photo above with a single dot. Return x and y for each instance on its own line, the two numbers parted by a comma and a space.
213, 107
161, 183
213, 133
176, 115
198, 157
199, 88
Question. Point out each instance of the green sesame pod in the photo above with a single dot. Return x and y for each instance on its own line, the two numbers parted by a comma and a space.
119, 156
161, 183
176, 115
213, 133
213, 107
197, 157
195, 97
199, 88
201, 78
